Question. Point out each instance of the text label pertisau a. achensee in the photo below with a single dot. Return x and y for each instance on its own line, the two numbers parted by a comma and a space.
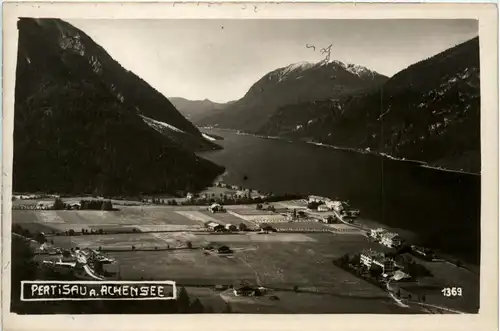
97, 290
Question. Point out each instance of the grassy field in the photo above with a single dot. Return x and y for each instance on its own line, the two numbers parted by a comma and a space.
448, 275
278, 261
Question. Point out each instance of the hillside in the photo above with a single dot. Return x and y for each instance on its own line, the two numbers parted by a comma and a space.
429, 111
294, 84
196, 110
77, 126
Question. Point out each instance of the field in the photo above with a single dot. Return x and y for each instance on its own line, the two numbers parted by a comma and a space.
277, 261
448, 276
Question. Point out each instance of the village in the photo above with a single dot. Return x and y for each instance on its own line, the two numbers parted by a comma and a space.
203, 242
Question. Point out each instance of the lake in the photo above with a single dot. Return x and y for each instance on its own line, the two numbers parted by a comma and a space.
441, 207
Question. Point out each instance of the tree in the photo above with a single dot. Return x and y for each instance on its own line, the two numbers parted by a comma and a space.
243, 227
313, 205
259, 206
71, 232
409, 297
189, 245
133, 247
39, 237
107, 205
295, 288
58, 204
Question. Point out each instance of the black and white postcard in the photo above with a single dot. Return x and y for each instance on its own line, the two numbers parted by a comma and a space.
249, 166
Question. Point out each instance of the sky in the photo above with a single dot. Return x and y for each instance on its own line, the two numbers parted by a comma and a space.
221, 59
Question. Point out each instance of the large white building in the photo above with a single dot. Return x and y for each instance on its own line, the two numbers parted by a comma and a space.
371, 258
315, 198
335, 205
323, 208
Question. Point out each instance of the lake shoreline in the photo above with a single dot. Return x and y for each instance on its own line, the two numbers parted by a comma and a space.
347, 149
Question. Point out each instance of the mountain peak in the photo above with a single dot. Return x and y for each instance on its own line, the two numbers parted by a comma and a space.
299, 67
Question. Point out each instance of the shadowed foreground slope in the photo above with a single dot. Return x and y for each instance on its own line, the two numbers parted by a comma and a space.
78, 128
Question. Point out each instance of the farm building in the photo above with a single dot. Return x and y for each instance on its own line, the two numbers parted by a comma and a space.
215, 226
390, 239
216, 208
75, 206
246, 291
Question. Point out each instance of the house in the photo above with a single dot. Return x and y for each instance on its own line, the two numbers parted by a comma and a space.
318, 199
335, 205
246, 291
215, 208
372, 259
422, 252
329, 219
215, 226
390, 239
323, 208
352, 213
190, 196
44, 205
377, 233
75, 206
400, 276
266, 228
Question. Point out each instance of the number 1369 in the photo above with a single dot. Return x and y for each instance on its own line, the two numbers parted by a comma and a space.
452, 291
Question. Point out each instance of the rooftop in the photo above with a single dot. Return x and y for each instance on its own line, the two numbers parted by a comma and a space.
391, 235
373, 254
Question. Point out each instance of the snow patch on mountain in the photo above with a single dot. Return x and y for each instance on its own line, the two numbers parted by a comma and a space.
160, 125
298, 68
207, 137
355, 69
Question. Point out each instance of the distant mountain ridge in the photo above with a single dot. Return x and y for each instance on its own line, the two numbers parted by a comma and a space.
293, 84
195, 110
429, 111
78, 125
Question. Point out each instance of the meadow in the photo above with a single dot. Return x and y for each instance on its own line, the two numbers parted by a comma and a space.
278, 261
